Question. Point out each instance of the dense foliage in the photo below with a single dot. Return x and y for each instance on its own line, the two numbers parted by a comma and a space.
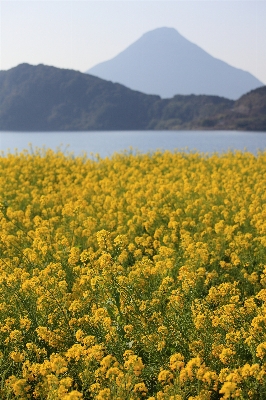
138, 276
44, 98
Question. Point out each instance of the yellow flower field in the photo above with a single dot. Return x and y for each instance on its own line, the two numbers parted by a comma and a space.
140, 276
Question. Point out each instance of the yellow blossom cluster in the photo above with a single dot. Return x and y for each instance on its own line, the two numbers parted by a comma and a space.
139, 276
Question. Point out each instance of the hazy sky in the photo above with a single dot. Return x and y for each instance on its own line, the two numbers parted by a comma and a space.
78, 34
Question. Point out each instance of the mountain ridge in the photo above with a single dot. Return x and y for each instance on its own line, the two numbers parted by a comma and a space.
46, 98
165, 63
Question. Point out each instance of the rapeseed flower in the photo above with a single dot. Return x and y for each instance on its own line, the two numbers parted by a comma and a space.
135, 276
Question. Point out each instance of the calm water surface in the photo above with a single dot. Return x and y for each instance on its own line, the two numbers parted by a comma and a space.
106, 143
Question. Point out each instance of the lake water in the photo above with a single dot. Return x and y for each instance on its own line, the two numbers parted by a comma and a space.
106, 143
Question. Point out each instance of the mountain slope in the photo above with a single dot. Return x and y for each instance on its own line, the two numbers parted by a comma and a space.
47, 98
248, 112
43, 98
212, 112
163, 62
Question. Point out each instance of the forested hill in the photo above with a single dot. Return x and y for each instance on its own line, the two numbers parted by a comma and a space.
45, 98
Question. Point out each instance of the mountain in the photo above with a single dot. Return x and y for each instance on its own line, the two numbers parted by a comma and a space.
163, 62
44, 98
248, 112
214, 113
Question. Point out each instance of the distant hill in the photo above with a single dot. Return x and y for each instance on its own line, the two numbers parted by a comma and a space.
214, 113
248, 113
44, 98
163, 62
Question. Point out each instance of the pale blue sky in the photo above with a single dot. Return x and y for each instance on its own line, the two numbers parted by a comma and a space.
79, 34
